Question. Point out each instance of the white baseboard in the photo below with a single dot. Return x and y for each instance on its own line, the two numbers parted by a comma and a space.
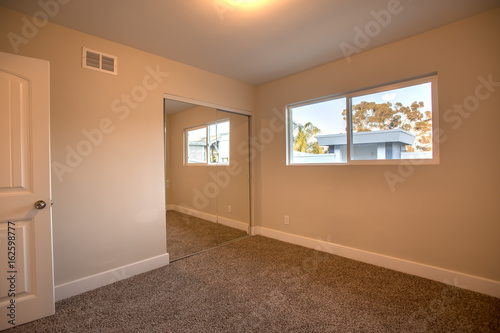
234, 223
210, 217
461, 280
101, 279
193, 212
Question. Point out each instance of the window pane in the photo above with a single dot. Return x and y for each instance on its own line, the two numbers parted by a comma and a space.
223, 133
319, 132
197, 145
219, 143
393, 124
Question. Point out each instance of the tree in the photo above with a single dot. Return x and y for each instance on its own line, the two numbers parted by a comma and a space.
303, 139
368, 116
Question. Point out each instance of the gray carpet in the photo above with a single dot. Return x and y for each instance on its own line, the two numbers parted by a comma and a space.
187, 234
258, 284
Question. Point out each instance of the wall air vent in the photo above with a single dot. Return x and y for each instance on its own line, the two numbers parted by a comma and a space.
99, 61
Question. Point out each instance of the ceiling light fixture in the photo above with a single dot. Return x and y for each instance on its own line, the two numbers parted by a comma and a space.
245, 3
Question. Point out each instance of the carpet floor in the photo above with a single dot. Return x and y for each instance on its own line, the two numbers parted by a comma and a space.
187, 234
257, 284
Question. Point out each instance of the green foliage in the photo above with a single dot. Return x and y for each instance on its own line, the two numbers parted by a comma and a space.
304, 138
369, 116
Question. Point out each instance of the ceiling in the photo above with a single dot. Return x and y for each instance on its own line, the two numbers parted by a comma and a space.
172, 106
272, 39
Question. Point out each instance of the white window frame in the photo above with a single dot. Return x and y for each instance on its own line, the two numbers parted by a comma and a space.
207, 144
432, 78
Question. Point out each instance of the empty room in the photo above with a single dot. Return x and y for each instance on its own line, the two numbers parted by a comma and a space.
249, 166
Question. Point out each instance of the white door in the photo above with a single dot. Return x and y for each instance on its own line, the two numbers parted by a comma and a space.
26, 270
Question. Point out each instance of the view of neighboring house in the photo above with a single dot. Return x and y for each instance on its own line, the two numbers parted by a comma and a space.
379, 145
372, 145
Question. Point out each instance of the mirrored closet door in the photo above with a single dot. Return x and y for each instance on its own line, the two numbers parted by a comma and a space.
207, 177
232, 176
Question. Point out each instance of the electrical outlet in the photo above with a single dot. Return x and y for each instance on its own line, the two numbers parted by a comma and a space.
287, 219
167, 184
229, 208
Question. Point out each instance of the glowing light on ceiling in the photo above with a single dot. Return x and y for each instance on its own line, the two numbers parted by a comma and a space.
245, 3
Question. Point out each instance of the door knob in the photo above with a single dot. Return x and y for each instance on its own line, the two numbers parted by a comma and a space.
40, 204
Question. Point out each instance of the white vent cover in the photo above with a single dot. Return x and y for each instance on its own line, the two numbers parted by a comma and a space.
99, 61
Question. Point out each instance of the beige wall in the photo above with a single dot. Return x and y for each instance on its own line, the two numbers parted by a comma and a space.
446, 215
109, 204
184, 179
108, 211
234, 179
194, 186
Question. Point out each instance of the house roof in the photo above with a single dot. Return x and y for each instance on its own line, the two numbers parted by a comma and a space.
394, 135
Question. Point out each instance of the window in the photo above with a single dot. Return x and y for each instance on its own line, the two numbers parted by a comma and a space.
369, 126
208, 144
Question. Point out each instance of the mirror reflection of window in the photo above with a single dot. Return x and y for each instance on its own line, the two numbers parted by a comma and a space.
197, 147
219, 142
205, 206
208, 143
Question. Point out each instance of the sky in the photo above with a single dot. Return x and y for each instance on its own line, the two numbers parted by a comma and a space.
327, 115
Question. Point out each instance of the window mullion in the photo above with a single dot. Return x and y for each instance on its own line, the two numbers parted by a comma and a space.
207, 148
348, 105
